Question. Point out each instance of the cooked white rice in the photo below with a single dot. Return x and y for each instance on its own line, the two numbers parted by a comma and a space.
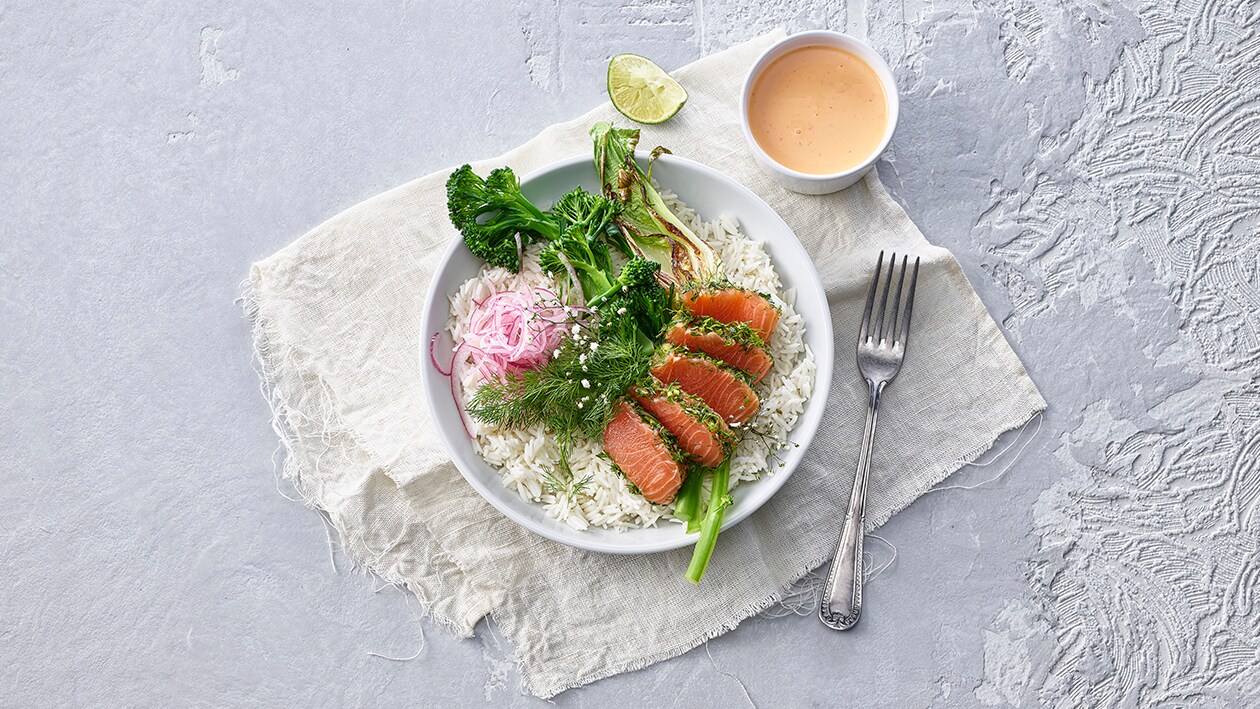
528, 456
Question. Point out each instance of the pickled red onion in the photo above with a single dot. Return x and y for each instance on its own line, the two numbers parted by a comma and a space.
510, 331
450, 375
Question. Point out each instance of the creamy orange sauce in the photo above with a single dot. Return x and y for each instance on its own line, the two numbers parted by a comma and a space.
818, 110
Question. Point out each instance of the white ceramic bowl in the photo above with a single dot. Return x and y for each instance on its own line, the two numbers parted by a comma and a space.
804, 182
711, 194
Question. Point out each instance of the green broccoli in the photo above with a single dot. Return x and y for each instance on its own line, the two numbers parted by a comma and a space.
583, 246
494, 217
636, 297
496, 220
594, 214
638, 274
586, 260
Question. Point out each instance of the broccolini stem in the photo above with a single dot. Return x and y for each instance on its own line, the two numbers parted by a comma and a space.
719, 500
687, 505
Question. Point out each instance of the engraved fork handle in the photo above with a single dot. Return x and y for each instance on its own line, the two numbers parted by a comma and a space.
842, 596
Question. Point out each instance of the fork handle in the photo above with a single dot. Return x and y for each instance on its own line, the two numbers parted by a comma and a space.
842, 596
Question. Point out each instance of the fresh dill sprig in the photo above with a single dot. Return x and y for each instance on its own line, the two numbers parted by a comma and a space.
571, 486
608, 348
575, 391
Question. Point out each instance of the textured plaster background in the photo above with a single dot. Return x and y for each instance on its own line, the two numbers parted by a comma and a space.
1093, 164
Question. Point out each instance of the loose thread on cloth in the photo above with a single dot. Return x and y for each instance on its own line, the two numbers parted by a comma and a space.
801, 599
275, 473
1039, 417
869, 569
743, 688
419, 631
332, 558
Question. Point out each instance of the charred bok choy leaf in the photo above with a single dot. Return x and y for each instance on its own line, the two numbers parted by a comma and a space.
651, 229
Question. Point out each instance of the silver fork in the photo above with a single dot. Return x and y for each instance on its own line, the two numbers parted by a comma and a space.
880, 351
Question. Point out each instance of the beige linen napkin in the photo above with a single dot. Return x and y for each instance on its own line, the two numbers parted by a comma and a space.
336, 317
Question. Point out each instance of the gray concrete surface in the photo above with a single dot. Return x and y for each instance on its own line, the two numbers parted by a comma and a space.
1072, 155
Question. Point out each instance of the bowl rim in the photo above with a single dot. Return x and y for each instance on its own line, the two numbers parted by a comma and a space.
814, 38
769, 484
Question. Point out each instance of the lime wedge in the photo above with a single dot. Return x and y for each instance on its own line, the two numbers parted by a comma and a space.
642, 91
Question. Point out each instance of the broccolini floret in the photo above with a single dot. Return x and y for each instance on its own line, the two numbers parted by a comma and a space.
496, 221
493, 216
574, 253
636, 298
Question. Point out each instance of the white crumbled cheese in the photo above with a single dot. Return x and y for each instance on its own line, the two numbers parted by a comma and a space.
582, 358
586, 384
621, 310
594, 346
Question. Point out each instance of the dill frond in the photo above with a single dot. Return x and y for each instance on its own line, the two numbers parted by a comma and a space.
574, 393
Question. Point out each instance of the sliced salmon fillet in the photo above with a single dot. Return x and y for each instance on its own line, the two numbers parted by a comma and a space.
737, 344
642, 454
701, 432
731, 305
721, 387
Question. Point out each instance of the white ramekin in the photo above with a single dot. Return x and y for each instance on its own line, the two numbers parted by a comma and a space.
804, 182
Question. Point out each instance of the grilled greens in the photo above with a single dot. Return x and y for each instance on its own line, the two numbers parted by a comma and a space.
494, 217
651, 229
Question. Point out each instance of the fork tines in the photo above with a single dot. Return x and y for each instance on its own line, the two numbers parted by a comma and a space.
894, 330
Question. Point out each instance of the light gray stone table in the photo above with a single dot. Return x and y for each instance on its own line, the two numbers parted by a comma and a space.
1094, 165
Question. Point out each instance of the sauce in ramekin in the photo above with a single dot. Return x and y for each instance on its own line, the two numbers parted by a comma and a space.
818, 110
